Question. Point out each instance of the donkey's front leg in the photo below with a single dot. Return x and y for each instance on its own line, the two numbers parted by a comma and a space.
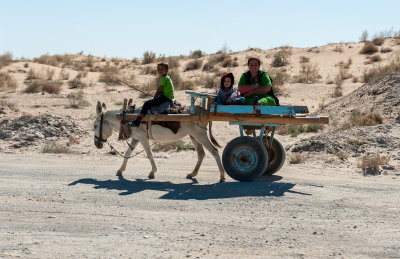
200, 156
128, 152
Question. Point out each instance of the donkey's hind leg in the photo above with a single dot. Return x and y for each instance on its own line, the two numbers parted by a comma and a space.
128, 152
200, 156
146, 145
200, 134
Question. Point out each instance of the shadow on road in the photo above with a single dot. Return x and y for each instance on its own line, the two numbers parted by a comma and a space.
266, 186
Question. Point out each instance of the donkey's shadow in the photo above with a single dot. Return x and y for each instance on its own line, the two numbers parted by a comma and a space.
266, 186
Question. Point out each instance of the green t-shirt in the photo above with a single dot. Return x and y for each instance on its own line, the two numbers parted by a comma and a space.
168, 87
265, 80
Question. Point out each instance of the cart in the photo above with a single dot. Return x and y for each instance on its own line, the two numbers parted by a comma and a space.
255, 152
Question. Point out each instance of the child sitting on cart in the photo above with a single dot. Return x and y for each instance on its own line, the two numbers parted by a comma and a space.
227, 93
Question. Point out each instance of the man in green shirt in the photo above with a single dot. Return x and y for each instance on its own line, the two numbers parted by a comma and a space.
164, 93
256, 86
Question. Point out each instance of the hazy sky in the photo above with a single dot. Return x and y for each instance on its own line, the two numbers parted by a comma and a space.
117, 28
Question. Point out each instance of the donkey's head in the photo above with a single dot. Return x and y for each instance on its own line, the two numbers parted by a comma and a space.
102, 127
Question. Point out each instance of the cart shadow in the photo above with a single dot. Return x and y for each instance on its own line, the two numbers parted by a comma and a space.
264, 187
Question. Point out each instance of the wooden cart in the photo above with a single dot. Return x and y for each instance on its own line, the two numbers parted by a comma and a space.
255, 151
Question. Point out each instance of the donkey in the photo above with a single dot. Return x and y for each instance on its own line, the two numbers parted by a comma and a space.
106, 123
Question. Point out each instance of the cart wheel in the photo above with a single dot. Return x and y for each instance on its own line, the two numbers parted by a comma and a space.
276, 156
245, 158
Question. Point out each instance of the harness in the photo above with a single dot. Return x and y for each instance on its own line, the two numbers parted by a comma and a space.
260, 74
100, 138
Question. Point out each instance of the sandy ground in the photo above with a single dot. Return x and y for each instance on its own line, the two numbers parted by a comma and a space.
55, 206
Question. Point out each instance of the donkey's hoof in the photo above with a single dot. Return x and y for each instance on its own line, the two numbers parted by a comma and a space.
119, 173
189, 176
222, 180
151, 176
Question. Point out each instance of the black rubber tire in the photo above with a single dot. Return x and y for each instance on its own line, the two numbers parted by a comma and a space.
245, 158
276, 156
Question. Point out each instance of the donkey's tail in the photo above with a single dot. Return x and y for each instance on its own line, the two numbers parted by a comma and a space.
213, 140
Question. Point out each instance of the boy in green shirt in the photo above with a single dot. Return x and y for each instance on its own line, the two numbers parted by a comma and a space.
164, 93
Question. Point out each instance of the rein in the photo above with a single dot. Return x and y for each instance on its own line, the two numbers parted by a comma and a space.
108, 143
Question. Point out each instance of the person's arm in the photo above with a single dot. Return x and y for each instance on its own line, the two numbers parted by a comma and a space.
159, 91
257, 89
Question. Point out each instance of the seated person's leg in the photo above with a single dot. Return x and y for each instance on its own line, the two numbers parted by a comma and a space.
267, 101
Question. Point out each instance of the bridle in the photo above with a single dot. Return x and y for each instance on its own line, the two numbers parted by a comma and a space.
100, 138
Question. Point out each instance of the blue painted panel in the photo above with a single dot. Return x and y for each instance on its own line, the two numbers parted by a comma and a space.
250, 109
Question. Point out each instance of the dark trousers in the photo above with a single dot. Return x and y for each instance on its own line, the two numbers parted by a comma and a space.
153, 102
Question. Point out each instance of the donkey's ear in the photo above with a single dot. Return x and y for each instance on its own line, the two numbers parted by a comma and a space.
104, 106
98, 107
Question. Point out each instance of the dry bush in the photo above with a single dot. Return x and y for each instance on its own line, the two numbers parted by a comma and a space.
77, 100
64, 75
342, 155
11, 105
281, 58
187, 85
194, 64
355, 79
208, 81
337, 92
229, 62
77, 82
386, 50
173, 62
149, 70
370, 163
370, 119
56, 148
5, 59
176, 78
375, 58
89, 61
338, 80
304, 59
373, 73
308, 74
279, 76
148, 57
218, 58
378, 41
50, 73
297, 158
196, 54
32, 75
110, 75
37, 86
55, 60
364, 36
338, 49
7, 82
51, 87
369, 48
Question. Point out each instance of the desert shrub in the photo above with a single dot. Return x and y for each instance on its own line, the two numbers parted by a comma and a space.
355, 79
187, 85
378, 41
208, 81
308, 74
7, 82
110, 75
176, 78
77, 82
5, 59
375, 58
304, 59
194, 64
37, 86
337, 92
50, 73
229, 62
279, 76
11, 105
173, 62
64, 75
32, 75
148, 57
196, 54
342, 155
51, 87
56, 148
370, 119
373, 73
149, 70
281, 58
369, 48
364, 36
370, 163
77, 100
54, 60
386, 50
175, 146
297, 158
89, 61
338, 49
218, 58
